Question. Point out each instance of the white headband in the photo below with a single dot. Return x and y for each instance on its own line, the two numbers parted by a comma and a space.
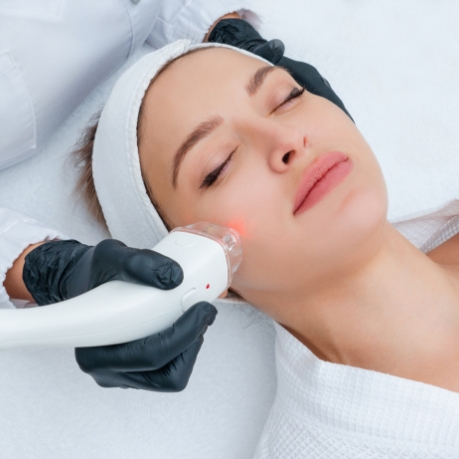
128, 211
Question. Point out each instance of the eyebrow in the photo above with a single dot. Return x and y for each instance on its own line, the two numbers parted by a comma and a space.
207, 127
199, 133
258, 78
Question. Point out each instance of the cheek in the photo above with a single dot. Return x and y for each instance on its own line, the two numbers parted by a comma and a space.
246, 201
313, 250
255, 208
346, 232
241, 208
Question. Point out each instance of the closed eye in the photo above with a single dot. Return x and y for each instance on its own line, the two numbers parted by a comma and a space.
294, 93
213, 176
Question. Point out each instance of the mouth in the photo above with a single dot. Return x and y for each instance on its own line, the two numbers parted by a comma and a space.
324, 174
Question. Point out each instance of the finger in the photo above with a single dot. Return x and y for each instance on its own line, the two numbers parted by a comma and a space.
272, 51
151, 268
308, 77
173, 377
158, 350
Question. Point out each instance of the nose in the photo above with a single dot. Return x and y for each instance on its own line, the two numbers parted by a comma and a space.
283, 145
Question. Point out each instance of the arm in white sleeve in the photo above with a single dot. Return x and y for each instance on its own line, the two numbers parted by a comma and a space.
17, 232
192, 19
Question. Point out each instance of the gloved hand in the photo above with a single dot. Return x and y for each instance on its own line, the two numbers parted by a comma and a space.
239, 33
59, 270
161, 362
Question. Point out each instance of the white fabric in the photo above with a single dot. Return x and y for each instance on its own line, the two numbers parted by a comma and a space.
327, 410
396, 66
17, 232
128, 211
430, 228
78, 44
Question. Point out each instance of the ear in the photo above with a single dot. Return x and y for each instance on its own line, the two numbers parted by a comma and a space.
224, 294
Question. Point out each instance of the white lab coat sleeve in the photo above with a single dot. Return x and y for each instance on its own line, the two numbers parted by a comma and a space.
192, 19
17, 232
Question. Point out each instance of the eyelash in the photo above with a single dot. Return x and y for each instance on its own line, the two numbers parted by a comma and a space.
210, 178
294, 94
213, 176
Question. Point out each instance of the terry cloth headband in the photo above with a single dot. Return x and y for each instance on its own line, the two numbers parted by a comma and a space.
128, 211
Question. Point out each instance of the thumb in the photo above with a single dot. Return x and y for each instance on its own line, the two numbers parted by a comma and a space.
151, 268
272, 51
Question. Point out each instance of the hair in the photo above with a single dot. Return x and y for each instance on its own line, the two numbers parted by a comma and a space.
83, 160
83, 156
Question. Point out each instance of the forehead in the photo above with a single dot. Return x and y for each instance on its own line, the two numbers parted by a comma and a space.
193, 88
193, 78
205, 63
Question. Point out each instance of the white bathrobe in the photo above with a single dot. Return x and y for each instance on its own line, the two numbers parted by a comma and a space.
327, 410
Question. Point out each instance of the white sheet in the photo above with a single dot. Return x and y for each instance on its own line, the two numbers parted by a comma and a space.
396, 66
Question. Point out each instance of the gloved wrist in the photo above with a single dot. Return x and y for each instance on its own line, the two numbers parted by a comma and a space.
47, 267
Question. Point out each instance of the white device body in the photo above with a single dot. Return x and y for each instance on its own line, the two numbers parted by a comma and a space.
118, 312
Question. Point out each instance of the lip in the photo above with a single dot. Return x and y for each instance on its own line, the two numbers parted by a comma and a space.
324, 174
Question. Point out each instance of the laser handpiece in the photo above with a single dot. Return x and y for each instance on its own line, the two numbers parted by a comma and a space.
119, 312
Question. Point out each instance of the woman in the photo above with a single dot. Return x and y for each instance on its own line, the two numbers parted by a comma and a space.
242, 144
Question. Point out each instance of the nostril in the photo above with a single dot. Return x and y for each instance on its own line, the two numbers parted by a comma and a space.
286, 157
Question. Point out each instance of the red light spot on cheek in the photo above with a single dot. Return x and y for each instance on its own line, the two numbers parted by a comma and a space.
238, 225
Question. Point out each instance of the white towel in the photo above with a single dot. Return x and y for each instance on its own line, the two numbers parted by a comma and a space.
396, 66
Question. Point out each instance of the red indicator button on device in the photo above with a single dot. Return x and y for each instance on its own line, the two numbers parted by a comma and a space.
208, 286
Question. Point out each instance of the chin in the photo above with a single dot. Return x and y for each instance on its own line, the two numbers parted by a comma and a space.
362, 219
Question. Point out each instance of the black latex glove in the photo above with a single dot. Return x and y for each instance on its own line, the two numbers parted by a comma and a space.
59, 270
239, 33
161, 362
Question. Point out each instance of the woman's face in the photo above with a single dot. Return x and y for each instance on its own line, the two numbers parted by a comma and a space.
228, 140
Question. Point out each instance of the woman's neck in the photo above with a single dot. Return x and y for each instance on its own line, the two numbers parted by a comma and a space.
399, 314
